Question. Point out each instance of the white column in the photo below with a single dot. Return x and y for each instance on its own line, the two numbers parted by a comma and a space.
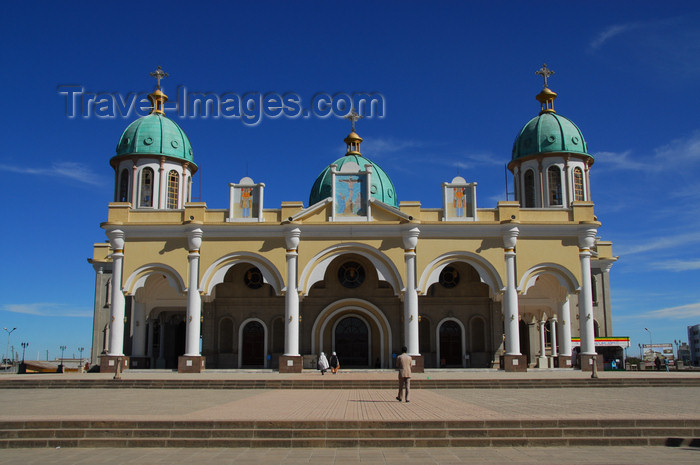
410, 300
291, 297
194, 300
565, 328
510, 296
553, 329
543, 361
138, 320
585, 298
543, 349
161, 184
116, 325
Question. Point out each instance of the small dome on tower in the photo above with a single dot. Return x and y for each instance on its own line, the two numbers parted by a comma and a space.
155, 134
548, 132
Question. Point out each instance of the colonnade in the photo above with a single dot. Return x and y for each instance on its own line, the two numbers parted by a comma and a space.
560, 324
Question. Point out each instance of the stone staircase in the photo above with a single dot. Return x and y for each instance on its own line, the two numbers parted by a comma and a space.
39, 382
319, 434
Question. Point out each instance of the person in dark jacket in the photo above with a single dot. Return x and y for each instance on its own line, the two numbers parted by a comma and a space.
335, 363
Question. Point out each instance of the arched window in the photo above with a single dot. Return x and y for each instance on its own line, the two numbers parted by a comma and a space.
226, 336
173, 189
554, 183
123, 187
529, 182
146, 197
596, 329
578, 184
478, 335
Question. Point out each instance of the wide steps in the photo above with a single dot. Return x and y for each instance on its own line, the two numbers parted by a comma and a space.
268, 434
38, 382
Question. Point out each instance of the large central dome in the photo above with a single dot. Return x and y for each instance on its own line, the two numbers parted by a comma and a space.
381, 187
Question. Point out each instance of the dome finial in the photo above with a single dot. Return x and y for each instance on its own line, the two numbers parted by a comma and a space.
158, 98
546, 96
353, 140
160, 74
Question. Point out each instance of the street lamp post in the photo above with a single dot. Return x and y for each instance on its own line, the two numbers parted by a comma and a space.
9, 331
60, 367
22, 366
647, 330
24, 347
81, 349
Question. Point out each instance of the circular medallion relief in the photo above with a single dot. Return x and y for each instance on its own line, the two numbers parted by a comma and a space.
253, 278
351, 275
449, 277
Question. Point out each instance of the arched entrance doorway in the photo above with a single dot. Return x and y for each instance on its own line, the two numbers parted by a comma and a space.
352, 342
253, 345
450, 344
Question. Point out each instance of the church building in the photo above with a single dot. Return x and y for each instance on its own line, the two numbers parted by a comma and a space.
357, 270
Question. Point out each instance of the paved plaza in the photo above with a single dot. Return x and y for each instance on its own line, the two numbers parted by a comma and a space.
670, 402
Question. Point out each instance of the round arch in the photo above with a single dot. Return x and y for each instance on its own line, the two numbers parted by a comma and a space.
240, 339
315, 270
138, 278
216, 272
487, 273
565, 277
437, 339
357, 307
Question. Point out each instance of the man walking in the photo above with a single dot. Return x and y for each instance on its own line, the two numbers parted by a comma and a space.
403, 363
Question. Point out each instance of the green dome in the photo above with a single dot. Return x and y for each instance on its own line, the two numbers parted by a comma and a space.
381, 187
155, 134
549, 132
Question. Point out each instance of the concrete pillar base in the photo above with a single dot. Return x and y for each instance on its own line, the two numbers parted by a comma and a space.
587, 362
515, 363
291, 363
542, 362
562, 361
190, 363
108, 363
418, 364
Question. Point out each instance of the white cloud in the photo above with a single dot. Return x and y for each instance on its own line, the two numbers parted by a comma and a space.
621, 160
683, 149
677, 265
48, 309
610, 32
675, 313
385, 145
65, 170
661, 241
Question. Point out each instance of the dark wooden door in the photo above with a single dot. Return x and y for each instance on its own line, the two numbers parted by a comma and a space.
352, 342
450, 344
253, 345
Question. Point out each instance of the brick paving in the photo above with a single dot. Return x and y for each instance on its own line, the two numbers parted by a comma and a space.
355, 404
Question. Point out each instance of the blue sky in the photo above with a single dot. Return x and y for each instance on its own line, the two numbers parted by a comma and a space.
458, 81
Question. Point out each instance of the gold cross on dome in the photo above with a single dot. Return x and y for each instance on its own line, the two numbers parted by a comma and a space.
159, 74
353, 116
545, 73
